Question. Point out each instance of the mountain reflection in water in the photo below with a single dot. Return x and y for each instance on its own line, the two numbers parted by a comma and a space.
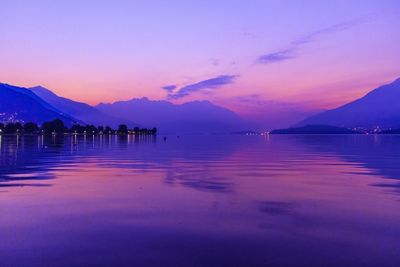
216, 200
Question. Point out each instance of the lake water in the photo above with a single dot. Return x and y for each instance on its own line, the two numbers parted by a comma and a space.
200, 201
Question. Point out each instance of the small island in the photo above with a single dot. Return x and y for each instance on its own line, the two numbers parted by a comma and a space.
390, 131
316, 129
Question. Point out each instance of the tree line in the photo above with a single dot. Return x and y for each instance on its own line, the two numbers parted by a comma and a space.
57, 126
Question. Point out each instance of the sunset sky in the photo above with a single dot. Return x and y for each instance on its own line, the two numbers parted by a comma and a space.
250, 56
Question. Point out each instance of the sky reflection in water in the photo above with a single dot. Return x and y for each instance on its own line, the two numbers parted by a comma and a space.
200, 201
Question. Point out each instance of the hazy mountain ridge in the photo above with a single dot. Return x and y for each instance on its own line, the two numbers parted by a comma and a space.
38, 104
315, 129
380, 107
190, 117
82, 111
21, 104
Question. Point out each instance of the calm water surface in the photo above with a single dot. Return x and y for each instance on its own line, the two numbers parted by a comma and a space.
200, 201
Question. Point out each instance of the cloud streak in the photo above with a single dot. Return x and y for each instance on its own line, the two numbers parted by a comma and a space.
204, 86
295, 45
169, 88
276, 56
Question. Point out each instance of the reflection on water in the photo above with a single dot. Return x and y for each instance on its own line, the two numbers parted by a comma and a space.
200, 201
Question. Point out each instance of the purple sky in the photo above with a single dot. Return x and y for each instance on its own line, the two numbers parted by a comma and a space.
250, 56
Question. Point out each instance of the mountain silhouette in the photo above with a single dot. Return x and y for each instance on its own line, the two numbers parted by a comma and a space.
81, 111
21, 104
315, 129
191, 117
380, 107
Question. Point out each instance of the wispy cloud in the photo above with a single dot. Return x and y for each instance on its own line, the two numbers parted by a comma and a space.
291, 51
169, 88
202, 86
276, 56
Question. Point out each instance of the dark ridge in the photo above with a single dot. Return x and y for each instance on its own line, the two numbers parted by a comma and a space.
316, 129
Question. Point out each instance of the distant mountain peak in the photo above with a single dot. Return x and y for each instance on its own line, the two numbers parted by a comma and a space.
82, 111
42, 89
148, 100
397, 81
380, 107
189, 117
144, 98
39, 87
24, 106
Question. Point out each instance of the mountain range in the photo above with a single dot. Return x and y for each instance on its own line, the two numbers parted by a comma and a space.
21, 104
84, 112
190, 117
379, 108
316, 129
39, 104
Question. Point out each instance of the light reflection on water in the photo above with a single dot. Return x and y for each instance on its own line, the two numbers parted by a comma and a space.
200, 201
